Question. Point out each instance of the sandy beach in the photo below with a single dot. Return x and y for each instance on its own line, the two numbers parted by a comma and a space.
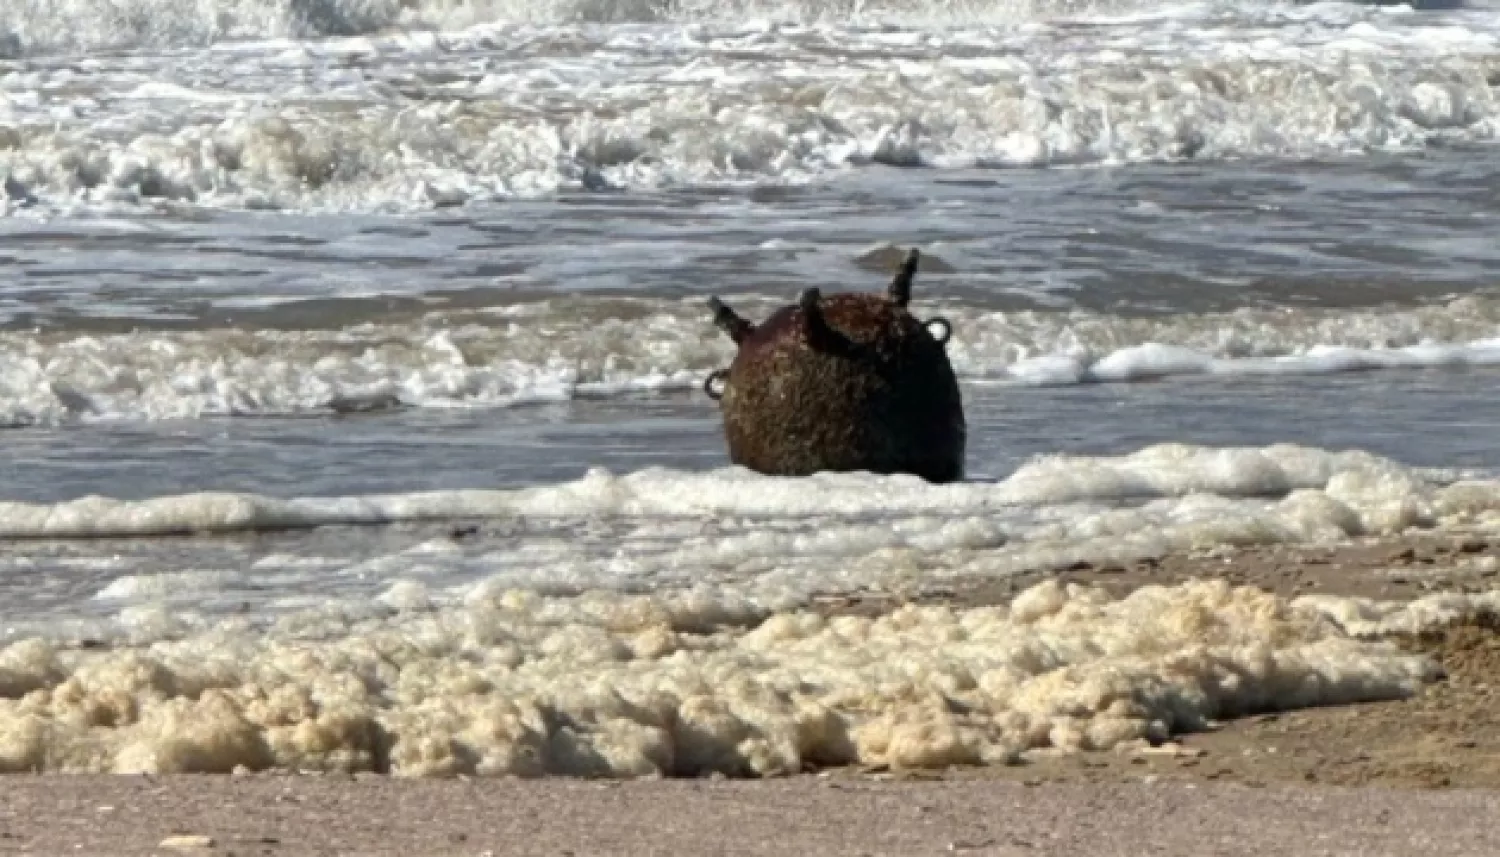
369, 485
1413, 776
807, 815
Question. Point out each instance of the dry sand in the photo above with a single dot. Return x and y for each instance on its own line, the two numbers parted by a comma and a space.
1427, 768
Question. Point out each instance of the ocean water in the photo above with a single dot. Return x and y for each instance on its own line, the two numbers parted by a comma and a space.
351, 351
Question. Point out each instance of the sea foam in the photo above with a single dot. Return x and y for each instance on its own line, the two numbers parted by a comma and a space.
570, 348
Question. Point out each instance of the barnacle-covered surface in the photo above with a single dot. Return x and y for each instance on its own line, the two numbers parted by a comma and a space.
845, 382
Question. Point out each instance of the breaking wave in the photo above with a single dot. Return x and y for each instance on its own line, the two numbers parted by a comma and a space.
47, 26
570, 348
404, 117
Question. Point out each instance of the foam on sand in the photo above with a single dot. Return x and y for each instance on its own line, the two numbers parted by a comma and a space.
778, 541
509, 683
661, 623
1370, 619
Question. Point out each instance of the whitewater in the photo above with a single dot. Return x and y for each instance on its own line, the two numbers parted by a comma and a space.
351, 356
347, 106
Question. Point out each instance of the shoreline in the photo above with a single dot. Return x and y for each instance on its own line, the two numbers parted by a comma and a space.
1406, 776
1446, 735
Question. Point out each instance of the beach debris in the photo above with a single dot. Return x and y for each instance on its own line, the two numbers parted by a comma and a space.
842, 382
1172, 749
187, 842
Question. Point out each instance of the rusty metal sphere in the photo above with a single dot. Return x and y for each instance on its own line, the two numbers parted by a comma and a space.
842, 383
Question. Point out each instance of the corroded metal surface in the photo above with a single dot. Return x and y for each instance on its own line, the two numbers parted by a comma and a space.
844, 382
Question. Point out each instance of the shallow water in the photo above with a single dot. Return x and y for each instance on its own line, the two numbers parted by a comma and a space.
1430, 418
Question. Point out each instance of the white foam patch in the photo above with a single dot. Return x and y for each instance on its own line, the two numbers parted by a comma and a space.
772, 543
525, 652
789, 538
512, 684
563, 349
1064, 348
181, 584
1370, 619
715, 94
43, 26
1153, 360
225, 372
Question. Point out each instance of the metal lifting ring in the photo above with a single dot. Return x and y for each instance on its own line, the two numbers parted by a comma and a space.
708, 384
944, 323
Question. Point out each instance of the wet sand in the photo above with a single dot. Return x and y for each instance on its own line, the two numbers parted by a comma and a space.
1414, 776
804, 816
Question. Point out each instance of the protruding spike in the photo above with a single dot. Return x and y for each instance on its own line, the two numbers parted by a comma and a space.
729, 321
809, 301
900, 288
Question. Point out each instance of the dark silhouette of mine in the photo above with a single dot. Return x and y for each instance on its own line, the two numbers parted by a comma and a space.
844, 382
